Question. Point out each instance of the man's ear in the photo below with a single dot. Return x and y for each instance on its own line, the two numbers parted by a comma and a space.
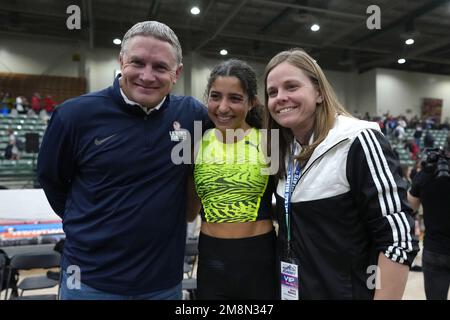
178, 73
121, 62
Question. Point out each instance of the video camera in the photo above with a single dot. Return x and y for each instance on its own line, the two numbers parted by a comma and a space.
436, 161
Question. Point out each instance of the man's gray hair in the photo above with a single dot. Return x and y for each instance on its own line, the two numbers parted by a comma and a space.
157, 30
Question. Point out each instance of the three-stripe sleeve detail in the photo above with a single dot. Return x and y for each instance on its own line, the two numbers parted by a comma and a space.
388, 196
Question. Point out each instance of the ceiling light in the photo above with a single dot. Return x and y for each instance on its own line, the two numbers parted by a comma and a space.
223, 52
409, 41
401, 61
117, 41
315, 27
195, 11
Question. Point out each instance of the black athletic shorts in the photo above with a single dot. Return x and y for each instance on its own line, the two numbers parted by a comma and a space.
237, 268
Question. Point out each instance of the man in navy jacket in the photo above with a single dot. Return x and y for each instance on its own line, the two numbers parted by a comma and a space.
105, 166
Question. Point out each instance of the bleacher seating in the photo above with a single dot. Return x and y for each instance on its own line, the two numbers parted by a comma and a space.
19, 173
440, 137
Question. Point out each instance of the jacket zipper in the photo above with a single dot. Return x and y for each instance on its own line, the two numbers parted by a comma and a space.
321, 156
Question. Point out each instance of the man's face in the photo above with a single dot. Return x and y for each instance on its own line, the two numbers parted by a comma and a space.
149, 70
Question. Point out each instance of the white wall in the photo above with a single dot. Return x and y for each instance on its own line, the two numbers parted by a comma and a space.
25, 55
44, 57
398, 91
344, 84
100, 67
366, 93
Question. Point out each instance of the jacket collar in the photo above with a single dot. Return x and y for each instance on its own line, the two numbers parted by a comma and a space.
344, 128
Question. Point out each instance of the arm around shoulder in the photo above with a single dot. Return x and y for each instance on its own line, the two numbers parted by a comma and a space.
193, 204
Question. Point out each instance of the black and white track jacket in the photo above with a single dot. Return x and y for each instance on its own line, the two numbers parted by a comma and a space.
349, 205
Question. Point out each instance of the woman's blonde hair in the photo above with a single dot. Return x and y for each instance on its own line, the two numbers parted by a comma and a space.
324, 114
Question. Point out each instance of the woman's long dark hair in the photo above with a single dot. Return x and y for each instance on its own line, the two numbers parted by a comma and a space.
247, 77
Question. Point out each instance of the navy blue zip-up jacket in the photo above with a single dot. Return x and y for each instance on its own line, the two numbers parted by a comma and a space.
106, 169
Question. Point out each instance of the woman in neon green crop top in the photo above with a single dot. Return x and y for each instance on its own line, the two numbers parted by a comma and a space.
237, 239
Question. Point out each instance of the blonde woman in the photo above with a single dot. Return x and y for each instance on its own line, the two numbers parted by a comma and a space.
345, 225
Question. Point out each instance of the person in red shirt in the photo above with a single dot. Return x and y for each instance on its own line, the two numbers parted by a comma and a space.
49, 104
36, 102
413, 148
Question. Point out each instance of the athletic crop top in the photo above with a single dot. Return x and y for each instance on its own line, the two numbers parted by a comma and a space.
229, 181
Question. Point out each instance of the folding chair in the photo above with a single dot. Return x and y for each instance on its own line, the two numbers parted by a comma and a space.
189, 283
28, 261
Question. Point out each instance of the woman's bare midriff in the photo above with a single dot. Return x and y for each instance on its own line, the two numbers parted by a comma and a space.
235, 230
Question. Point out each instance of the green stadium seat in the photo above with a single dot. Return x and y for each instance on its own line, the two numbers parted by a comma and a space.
29, 128
8, 163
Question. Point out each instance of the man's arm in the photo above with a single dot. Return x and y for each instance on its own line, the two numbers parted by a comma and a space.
193, 204
392, 277
55, 164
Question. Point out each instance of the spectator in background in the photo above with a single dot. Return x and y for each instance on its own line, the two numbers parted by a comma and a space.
413, 149
26, 104
381, 123
428, 140
19, 105
402, 122
13, 112
414, 122
399, 132
391, 124
430, 123
36, 103
431, 188
49, 104
5, 108
418, 134
8, 101
11, 151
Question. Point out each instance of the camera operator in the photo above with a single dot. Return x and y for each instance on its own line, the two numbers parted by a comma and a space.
431, 188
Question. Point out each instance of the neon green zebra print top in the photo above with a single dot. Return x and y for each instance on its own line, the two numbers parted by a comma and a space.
229, 179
